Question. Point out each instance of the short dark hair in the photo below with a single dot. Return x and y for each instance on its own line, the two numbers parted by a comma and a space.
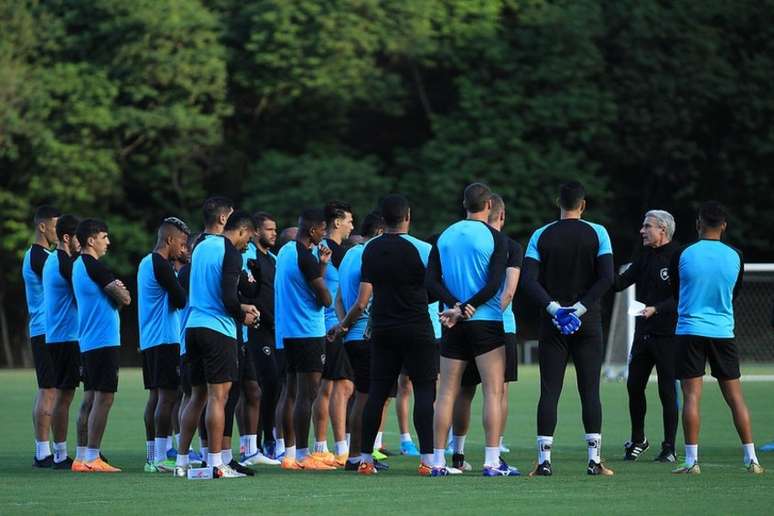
498, 206
261, 216
336, 210
372, 223
66, 225
475, 197
177, 224
239, 219
88, 228
310, 218
571, 194
394, 208
45, 212
214, 207
712, 214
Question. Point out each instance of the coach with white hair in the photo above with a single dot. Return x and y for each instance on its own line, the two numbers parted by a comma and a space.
654, 333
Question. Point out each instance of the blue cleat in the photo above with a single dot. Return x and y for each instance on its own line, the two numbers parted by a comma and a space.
194, 456
269, 448
381, 466
409, 448
767, 447
439, 472
172, 454
503, 470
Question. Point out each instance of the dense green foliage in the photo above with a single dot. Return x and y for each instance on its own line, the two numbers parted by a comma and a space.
131, 111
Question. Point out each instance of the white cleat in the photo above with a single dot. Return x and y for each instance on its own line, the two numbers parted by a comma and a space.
453, 471
259, 458
225, 471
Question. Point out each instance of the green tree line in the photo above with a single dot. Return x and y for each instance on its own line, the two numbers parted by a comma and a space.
134, 110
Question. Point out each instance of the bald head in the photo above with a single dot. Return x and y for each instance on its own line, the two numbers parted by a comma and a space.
287, 235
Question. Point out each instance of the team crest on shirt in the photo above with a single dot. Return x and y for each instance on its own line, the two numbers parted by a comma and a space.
266, 350
322, 358
664, 273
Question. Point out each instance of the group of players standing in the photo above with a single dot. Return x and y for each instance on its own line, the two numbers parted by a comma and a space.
322, 332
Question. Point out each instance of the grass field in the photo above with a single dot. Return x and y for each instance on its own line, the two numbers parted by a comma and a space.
642, 487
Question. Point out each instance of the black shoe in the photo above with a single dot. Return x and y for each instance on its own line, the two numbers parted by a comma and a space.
48, 462
241, 469
597, 468
351, 466
203, 464
104, 459
65, 464
632, 451
386, 452
380, 466
667, 454
458, 460
542, 470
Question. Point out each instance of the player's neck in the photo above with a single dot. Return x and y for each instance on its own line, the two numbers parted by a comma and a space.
569, 214
481, 216
261, 248
215, 229
304, 241
397, 230
710, 235
40, 239
335, 236
61, 246
162, 251
90, 251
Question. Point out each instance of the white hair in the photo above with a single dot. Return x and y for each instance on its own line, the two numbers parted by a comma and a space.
665, 220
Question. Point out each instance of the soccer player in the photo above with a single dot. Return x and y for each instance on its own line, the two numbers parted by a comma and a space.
99, 296
653, 333
706, 277
393, 269
354, 313
336, 386
32, 272
62, 332
466, 271
159, 299
568, 266
211, 336
299, 305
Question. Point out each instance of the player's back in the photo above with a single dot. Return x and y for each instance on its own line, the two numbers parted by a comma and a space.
567, 251
395, 265
205, 295
61, 312
33, 287
298, 313
159, 321
349, 286
708, 272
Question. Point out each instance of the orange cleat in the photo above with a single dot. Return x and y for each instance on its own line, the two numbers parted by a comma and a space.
288, 463
341, 460
326, 458
424, 470
367, 468
100, 466
312, 464
79, 467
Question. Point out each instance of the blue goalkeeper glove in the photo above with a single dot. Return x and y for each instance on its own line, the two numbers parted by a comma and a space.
566, 321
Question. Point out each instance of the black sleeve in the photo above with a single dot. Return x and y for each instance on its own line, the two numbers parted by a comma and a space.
740, 277
229, 282
165, 276
184, 277
496, 271
66, 267
248, 290
434, 280
309, 266
626, 278
666, 306
97, 271
674, 275
603, 282
515, 255
530, 283
38, 257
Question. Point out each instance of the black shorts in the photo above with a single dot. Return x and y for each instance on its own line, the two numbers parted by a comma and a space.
44, 365
100, 369
260, 344
161, 367
305, 355
359, 354
467, 340
413, 346
212, 356
337, 365
511, 358
67, 364
185, 375
693, 353
247, 371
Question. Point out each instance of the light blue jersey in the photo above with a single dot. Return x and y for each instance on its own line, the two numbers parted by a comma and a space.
99, 325
61, 311
32, 272
298, 314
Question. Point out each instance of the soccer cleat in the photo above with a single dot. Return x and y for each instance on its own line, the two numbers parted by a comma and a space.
459, 462
79, 467
150, 468
269, 449
65, 464
504, 449
165, 466
381, 466
100, 466
685, 469
341, 460
667, 454
409, 448
312, 464
194, 457
259, 458
542, 470
241, 469
378, 455
632, 450
326, 458
453, 471
384, 451
514, 471
351, 466
755, 468
171, 454
47, 462
180, 472
367, 468
424, 470
226, 471
599, 469
439, 471
292, 464
768, 447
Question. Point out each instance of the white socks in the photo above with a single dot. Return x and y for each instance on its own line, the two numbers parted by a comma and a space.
250, 444
405, 438
80, 453
349, 439
160, 446
320, 446
279, 449
150, 454
42, 449
214, 459
427, 459
594, 443
439, 457
227, 456
492, 456
342, 448
378, 445
182, 460
458, 443
92, 454
60, 452
691, 454
749, 454
169, 444
544, 445
301, 454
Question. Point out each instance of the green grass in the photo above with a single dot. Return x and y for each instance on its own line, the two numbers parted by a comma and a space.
643, 487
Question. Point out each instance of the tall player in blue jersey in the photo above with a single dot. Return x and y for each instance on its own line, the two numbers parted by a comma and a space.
706, 277
62, 335
211, 336
568, 266
466, 271
99, 296
32, 272
159, 299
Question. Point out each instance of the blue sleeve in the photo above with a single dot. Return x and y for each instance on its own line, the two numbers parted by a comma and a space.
532, 247
605, 247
